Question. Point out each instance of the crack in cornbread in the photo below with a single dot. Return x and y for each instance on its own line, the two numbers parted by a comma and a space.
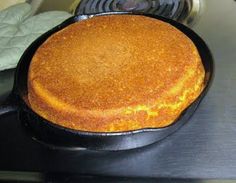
113, 73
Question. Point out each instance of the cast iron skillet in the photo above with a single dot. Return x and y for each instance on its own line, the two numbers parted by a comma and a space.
58, 136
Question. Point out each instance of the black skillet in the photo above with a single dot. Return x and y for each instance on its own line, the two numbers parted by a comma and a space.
54, 135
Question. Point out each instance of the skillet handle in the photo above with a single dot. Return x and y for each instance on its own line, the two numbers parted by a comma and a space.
8, 105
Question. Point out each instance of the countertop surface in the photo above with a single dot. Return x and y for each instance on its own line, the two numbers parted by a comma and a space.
206, 146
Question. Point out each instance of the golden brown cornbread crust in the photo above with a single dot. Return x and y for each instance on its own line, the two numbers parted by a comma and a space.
115, 73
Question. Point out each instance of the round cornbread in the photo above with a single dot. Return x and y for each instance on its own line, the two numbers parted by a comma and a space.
115, 73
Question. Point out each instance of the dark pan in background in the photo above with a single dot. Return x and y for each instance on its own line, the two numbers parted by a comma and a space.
54, 135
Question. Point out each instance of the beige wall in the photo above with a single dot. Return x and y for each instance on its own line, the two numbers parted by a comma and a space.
44, 5
6, 3
65, 5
